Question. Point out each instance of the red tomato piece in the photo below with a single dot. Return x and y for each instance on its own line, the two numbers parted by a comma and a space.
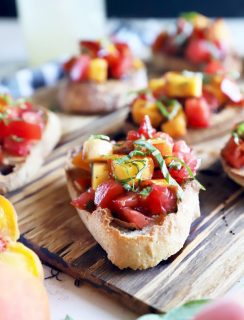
184, 153
90, 47
231, 90
161, 200
85, 201
132, 216
198, 51
22, 129
1, 155
67, 66
15, 147
130, 199
146, 128
79, 70
107, 192
211, 100
213, 67
133, 135
197, 113
122, 67
234, 153
3, 129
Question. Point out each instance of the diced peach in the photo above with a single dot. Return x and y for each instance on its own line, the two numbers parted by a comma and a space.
138, 64
140, 108
163, 146
156, 84
79, 162
176, 127
131, 168
98, 70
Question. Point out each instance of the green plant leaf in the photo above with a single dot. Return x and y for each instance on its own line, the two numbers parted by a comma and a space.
184, 312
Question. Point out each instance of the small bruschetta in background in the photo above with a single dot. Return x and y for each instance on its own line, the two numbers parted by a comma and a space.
28, 133
100, 78
195, 41
232, 155
195, 106
137, 197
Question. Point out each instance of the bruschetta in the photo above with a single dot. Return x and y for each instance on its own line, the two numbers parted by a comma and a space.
137, 197
232, 155
28, 134
100, 77
195, 43
196, 106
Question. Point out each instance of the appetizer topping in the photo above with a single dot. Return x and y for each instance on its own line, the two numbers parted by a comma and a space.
137, 179
233, 152
185, 99
99, 61
195, 38
20, 126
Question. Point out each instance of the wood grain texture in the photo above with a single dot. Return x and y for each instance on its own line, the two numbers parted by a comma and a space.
208, 265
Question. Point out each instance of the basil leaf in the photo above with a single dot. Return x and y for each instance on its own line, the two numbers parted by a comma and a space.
240, 129
189, 16
184, 312
173, 105
157, 155
163, 109
145, 192
99, 136
182, 163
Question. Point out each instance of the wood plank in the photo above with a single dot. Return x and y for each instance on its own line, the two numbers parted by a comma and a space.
208, 265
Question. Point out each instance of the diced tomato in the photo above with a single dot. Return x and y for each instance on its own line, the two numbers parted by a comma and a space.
85, 201
133, 135
161, 200
1, 155
214, 67
67, 66
184, 153
79, 70
197, 112
122, 67
83, 183
130, 199
107, 192
157, 174
159, 42
211, 100
231, 90
198, 51
234, 153
21, 129
129, 215
17, 147
90, 47
146, 128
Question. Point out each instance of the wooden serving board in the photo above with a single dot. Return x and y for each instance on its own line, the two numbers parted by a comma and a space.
208, 265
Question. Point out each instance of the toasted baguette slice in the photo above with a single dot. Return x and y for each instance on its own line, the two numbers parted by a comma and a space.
164, 62
140, 249
235, 174
23, 169
95, 98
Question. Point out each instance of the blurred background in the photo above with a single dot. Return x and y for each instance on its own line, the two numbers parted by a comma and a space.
34, 32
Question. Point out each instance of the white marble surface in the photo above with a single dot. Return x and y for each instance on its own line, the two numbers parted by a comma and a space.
84, 302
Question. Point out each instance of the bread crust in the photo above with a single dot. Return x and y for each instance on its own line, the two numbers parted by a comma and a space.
165, 62
94, 98
140, 249
24, 170
236, 175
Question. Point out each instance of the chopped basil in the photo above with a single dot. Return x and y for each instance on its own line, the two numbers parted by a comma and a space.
99, 136
163, 167
189, 16
145, 192
183, 164
175, 165
238, 133
173, 105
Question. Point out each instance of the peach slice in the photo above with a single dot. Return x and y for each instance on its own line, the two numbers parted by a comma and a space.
8, 220
18, 255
